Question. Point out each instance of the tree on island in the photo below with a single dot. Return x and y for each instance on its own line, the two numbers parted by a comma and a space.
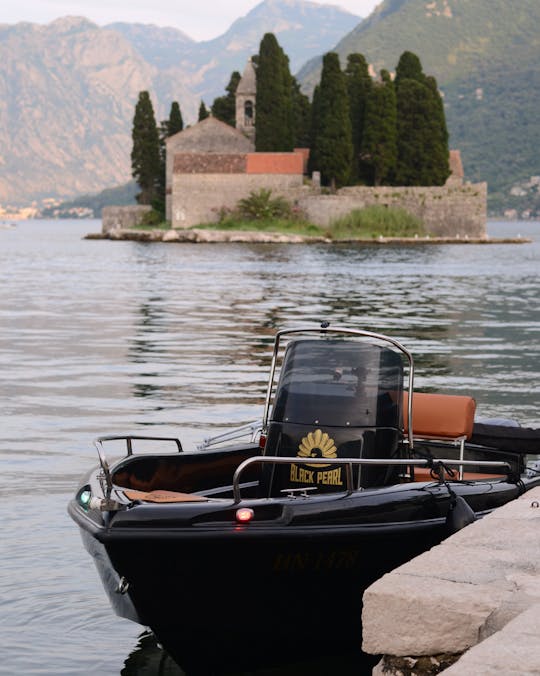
274, 120
333, 148
203, 112
301, 114
422, 136
145, 154
359, 84
175, 123
379, 139
224, 107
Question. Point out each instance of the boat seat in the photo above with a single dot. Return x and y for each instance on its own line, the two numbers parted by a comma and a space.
442, 418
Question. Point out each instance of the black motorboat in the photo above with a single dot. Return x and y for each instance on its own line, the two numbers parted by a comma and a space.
249, 552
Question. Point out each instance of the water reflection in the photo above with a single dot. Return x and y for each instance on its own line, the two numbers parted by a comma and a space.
149, 659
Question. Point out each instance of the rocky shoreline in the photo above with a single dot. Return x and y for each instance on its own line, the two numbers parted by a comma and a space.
199, 235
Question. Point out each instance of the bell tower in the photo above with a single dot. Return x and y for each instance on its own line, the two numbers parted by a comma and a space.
246, 94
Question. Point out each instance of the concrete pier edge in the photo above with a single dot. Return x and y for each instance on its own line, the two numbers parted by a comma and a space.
468, 606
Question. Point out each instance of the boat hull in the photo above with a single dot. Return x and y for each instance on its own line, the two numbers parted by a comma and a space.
225, 601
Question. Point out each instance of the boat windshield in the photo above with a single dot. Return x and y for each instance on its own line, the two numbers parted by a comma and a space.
339, 383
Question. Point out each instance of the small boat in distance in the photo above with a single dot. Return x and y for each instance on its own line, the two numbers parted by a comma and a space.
251, 552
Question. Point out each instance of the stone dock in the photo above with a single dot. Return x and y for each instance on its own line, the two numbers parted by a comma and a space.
209, 236
468, 607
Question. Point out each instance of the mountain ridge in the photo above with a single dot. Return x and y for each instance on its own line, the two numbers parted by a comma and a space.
68, 89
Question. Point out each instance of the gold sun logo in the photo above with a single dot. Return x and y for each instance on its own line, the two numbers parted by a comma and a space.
317, 445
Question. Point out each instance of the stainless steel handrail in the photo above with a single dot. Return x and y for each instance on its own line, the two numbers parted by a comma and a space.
349, 462
250, 428
106, 479
128, 438
345, 331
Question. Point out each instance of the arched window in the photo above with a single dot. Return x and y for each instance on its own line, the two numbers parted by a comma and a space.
248, 114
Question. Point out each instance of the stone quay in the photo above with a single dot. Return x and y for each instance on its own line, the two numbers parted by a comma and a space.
468, 606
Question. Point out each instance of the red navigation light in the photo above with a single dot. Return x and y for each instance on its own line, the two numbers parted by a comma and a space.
244, 515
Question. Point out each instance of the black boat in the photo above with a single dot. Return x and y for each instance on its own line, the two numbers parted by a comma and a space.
243, 553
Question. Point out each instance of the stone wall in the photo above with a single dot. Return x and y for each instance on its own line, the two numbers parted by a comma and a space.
198, 198
446, 211
122, 217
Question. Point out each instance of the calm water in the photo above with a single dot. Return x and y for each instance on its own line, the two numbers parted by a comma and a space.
111, 337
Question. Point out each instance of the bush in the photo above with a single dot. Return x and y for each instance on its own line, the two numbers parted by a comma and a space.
376, 221
260, 206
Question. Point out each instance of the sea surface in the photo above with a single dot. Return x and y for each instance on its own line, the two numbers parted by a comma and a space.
111, 337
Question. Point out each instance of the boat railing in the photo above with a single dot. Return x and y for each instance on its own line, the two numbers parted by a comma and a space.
437, 465
253, 429
105, 476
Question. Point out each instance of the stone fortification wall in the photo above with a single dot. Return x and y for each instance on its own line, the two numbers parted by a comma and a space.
122, 217
446, 211
199, 198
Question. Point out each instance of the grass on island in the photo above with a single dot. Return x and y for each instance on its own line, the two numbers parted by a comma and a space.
376, 221
369, 223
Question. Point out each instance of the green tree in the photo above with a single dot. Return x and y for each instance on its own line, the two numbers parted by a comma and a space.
379, 141
359, 84
437, 150
274, 118
313, 162
422, 135
203, 112
145, 153
333, 136
224, 107
175, 123
301, 109
409, 68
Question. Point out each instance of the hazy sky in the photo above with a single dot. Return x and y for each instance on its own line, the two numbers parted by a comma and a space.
200, 20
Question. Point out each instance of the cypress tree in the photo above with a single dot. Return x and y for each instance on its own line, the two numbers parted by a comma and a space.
409, 68
412, 107
175, 122
301, 109
379, 148
224, 107
422, 136
203, 112
274, 118
145, 153
437, 150
359, 85
313, 162
333, 143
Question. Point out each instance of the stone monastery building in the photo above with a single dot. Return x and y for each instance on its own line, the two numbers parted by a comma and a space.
211, 166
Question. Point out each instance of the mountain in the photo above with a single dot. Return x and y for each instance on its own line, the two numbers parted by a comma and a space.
68, 89
485, 55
